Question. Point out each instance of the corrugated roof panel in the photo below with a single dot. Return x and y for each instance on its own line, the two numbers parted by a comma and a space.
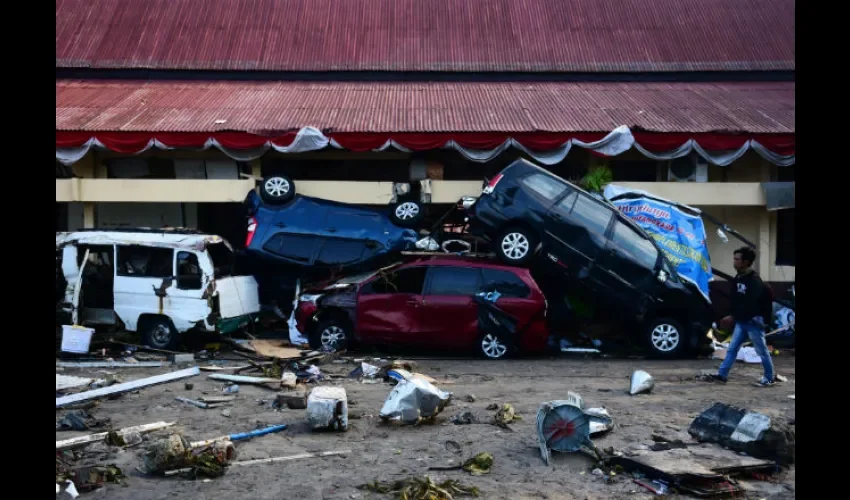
270, 107
427, 35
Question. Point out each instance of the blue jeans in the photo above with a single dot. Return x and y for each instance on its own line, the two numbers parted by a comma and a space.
755, 332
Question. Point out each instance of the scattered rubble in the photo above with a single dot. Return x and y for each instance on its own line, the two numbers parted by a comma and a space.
422, 489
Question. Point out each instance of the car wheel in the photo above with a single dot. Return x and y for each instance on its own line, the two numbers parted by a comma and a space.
158, 333
666, 338
331, 335
493, 346
515, 246
407, 213
277, 189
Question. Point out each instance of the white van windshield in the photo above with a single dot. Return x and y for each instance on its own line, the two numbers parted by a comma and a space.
222, 258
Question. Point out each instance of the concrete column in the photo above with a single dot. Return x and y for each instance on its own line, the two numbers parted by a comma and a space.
88, 215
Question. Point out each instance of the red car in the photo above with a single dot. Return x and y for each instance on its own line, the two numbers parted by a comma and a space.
428, 303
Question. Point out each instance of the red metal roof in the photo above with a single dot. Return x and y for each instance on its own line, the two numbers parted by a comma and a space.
269, 108
427, 35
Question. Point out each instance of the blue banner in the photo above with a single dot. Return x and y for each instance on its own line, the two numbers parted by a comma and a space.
680, 235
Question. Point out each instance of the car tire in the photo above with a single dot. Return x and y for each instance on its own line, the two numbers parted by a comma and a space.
407, 213
158, 333
277, 189
493, 346
321, 337
515, 246
665, 338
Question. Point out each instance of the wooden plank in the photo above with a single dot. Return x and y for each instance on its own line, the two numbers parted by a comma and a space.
275, 349
110, 364
242, 379
127, 386
291, 457
100, 436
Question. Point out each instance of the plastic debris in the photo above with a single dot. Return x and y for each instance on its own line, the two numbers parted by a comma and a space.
464, 418
479, 464
413, 399
422, 489
327, 408
641, 382
231, 389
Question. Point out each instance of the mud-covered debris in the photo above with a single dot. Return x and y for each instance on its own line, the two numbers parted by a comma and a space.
91, 477
493, 406
327, 408
479, 464
506, 415
470, 398
80, 420
423, 488
291, 402
175, 453
464, 418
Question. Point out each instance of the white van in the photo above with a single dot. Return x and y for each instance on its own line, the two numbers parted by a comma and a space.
159, 282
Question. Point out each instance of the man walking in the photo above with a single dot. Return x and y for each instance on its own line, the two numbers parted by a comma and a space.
752, 308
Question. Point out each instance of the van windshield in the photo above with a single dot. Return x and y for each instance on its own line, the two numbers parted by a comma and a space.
222, 259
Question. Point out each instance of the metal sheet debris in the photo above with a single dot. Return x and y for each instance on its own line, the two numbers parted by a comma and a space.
127, 386
109, 364
65, 382
641, 382
413, 399
562, 426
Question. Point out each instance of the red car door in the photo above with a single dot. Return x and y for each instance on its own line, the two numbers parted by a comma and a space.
524, 302
449, 315
389, 306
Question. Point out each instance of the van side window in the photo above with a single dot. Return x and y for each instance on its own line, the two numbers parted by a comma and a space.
295, 247
409, 280
543, 185
454, 281
634, 246
145, 262
188, 271
565, 206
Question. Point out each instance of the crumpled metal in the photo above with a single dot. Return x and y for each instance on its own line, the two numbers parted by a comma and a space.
413, 399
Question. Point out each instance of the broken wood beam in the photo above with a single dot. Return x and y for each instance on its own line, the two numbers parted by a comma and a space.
100, 436
243, 379
291, 457
127, 386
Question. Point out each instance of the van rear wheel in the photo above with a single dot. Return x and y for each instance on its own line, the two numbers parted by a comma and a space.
158, 333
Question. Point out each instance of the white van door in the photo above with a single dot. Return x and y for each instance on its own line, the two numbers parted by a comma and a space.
187, 296
237, 296
74, 277
143, 276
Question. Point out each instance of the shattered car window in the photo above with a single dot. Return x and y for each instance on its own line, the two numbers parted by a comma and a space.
408, 281
222, 257
506, 283
145, 262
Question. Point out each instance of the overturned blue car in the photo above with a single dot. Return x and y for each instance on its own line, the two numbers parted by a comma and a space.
315, 240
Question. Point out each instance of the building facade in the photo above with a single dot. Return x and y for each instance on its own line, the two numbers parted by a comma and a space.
167, 112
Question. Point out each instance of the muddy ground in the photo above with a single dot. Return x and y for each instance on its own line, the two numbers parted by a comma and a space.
388, 452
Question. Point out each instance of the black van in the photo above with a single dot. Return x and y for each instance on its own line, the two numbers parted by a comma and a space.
529, 213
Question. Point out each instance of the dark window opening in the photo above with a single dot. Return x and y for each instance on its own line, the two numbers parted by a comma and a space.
786, 174
175, 168
353, 169
544, 186
96, 288
634, 170
506, 283
188, 271
340, 252
785, 247
294, 247
454, 281
145, 262
222, 259
407, 281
